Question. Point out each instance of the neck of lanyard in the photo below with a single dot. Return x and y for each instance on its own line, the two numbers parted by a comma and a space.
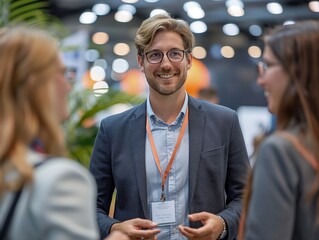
155, 154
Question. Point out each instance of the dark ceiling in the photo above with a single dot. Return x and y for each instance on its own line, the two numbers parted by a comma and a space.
215, 16
255, 10
235, 78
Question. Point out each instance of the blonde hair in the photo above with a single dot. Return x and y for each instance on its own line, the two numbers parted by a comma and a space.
29, 62
162, 22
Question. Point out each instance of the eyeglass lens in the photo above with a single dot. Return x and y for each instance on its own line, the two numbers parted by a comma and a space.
157, 56
262, 67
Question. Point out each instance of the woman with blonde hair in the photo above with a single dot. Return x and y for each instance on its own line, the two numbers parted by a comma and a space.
282, 199
43, 195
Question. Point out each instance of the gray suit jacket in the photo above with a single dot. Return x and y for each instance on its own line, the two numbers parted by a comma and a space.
218, 164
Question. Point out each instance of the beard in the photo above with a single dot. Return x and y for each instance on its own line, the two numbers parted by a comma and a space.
165, 89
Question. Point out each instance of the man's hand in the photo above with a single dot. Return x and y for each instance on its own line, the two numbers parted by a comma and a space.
211, 229
117, 235
137, 228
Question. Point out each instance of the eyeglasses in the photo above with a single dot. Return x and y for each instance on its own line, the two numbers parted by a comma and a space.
157, 56
264, 66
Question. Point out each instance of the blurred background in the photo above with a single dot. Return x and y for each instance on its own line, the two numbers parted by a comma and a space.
228, 34
97, 43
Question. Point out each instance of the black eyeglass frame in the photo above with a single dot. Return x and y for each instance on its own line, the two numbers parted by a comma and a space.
186, 51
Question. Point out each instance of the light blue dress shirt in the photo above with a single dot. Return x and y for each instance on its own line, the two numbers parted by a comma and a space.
176, 185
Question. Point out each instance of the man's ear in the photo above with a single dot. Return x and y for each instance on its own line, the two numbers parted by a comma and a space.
189, 60
140, 63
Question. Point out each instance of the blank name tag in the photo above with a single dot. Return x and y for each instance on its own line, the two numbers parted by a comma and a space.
163, 213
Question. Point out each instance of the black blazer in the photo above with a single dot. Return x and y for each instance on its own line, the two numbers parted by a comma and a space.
218, 163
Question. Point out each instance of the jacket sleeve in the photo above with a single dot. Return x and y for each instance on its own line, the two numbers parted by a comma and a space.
100, 167
237, 168
64, 201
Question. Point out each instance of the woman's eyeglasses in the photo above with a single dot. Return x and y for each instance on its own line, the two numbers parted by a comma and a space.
263, 66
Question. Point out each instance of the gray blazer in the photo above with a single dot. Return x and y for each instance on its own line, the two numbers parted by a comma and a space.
280, 207
218, 163
59, 204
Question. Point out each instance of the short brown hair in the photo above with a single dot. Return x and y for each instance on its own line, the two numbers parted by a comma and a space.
162, 22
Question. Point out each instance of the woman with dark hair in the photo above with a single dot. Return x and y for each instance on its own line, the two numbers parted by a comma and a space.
282, 196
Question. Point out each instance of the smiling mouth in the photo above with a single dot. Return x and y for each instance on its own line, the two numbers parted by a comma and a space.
166, 76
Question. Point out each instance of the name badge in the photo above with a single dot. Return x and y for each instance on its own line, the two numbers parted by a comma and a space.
163, 213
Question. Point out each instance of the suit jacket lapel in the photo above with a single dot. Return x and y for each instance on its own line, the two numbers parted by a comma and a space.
196, 130
137, 149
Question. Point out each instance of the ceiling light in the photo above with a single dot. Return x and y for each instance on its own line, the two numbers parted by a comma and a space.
227, 52
314, 6
121, 49
255, 30
127, 7
100, 87
91, 55
120, 65
254, 51
87, 18
236, 11
231, 29
97, 73
188, 6
101, 9
196, 13
100, 38
274, 8
289, 22
157, 11
198, 27
232, 3
130, 1
199, 52
123, 16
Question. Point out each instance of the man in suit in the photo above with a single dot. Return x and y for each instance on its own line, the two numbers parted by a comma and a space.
178, 164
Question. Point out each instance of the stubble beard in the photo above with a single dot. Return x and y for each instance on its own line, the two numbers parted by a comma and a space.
166, 91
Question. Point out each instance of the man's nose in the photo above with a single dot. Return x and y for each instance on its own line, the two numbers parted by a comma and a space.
165, 61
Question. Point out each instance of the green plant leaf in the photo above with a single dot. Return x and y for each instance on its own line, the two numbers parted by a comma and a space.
83, 107
31, 9
33, 13
21, 3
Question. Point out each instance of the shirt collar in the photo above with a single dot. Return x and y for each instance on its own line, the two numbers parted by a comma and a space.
151, 115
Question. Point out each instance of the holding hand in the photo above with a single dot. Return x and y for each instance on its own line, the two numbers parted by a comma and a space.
211, 229
137, 228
